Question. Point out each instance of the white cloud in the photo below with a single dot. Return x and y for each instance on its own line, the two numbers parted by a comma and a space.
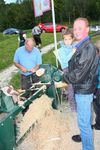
10, 1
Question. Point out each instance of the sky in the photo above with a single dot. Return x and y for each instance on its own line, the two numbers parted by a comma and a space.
9, 1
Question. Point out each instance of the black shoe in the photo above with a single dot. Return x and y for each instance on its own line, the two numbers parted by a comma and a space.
94, 126
76, 138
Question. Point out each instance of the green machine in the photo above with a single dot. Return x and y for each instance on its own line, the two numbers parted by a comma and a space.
52, 74
10, 110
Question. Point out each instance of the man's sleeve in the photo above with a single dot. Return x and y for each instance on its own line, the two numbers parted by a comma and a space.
16, 57
65, 78
39, 58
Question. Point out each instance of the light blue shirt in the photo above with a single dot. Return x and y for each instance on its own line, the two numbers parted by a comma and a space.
27, 59
65, 53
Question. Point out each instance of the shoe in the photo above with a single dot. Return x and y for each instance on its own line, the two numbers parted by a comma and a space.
94, 126
76, 138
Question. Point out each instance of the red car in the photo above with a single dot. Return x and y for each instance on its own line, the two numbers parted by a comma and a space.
48, 27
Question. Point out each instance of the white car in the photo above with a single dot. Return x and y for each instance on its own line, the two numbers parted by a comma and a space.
95, 28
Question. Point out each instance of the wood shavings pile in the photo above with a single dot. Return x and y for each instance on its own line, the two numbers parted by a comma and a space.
35, 112
54, 131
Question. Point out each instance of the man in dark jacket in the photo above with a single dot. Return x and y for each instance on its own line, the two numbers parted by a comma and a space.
21, 38
83, 71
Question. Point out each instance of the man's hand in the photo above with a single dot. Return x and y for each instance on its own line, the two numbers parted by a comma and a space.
74, 50
23, 69
32, 70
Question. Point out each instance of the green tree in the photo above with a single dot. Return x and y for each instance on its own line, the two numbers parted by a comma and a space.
2, 2
21, 13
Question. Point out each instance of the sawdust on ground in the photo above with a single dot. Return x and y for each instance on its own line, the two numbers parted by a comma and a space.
53, 131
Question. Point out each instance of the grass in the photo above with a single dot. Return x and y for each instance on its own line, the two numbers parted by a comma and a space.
9, 43
48, 58
15, 81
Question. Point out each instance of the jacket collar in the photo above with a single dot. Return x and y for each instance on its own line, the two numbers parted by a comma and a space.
79, 44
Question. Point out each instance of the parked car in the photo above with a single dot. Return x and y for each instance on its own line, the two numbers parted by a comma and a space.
48, 27
11, 31
95, 28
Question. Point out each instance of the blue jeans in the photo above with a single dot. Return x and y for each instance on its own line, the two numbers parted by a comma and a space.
84, 116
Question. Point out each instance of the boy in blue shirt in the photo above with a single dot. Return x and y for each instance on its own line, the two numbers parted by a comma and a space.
64, 54
67, 49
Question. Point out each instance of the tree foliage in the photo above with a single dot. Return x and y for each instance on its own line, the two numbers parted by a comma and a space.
21, 14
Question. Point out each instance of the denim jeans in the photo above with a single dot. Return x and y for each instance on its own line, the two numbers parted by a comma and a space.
84, 116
